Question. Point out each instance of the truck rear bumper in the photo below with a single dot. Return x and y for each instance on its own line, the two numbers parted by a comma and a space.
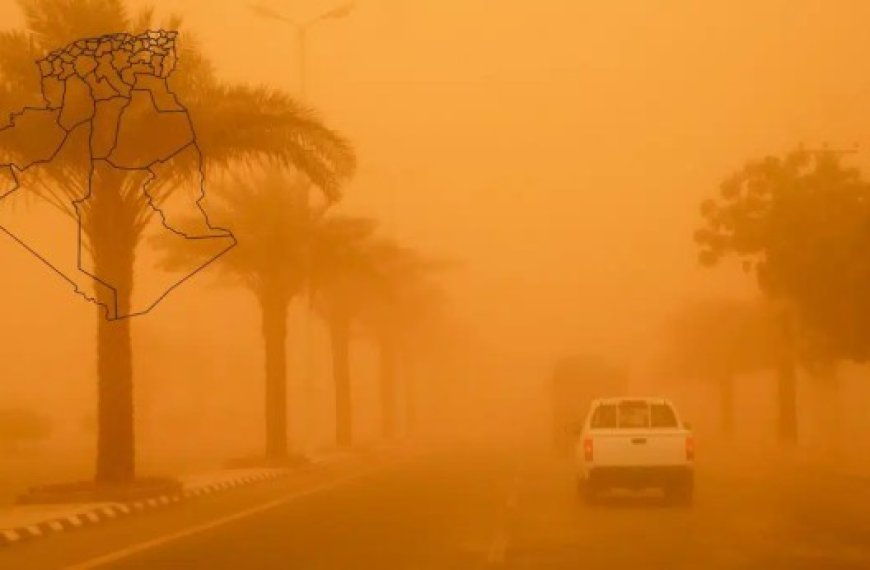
641, 477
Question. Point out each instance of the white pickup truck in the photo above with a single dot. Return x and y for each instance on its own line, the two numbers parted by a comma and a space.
635, 443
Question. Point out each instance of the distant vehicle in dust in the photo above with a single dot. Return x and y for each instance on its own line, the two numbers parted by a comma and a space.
576, 381
634, 444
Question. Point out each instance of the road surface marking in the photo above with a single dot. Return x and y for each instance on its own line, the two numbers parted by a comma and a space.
162, 540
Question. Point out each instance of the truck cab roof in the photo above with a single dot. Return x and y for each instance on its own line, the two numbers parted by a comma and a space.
621, 399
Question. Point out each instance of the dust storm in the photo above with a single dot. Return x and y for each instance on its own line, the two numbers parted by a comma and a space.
436, 284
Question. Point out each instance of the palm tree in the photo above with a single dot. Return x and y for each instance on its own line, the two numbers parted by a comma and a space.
359, 278
401, 298
234, 124
271, 217
341, 270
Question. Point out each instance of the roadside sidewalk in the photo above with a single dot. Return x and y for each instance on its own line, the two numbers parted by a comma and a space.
25, 522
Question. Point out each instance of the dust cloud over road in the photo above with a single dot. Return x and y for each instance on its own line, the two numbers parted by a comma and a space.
502, 270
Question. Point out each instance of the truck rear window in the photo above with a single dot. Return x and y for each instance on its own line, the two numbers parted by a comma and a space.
633, 414
604, 416
662, 416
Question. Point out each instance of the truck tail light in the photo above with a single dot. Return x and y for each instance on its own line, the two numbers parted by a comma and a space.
690, 448
587, 449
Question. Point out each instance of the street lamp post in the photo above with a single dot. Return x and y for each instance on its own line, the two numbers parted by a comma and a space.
302, 29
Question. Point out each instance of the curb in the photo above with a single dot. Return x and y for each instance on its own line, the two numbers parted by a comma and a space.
113, 511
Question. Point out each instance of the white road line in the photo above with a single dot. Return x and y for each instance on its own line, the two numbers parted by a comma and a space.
163, 540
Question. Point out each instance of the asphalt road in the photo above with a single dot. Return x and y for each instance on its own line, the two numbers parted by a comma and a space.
476, 509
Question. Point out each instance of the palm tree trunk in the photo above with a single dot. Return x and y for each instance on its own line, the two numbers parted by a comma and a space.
339, 332
113, 255
115, 436
389, 386
274, 321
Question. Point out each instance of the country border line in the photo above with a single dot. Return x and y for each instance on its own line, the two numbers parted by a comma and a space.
147, 168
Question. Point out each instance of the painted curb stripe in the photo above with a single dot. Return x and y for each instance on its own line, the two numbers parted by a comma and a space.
12, 536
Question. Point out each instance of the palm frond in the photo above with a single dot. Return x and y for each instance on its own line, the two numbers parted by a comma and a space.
252, 123
269, 215
234, 125
56, 23
20, 80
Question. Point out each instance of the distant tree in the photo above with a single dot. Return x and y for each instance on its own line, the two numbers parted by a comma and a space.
401, 298
423, 314
342, 273
716, 341
801, 224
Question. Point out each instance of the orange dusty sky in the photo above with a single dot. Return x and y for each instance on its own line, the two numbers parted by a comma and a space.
557, 148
